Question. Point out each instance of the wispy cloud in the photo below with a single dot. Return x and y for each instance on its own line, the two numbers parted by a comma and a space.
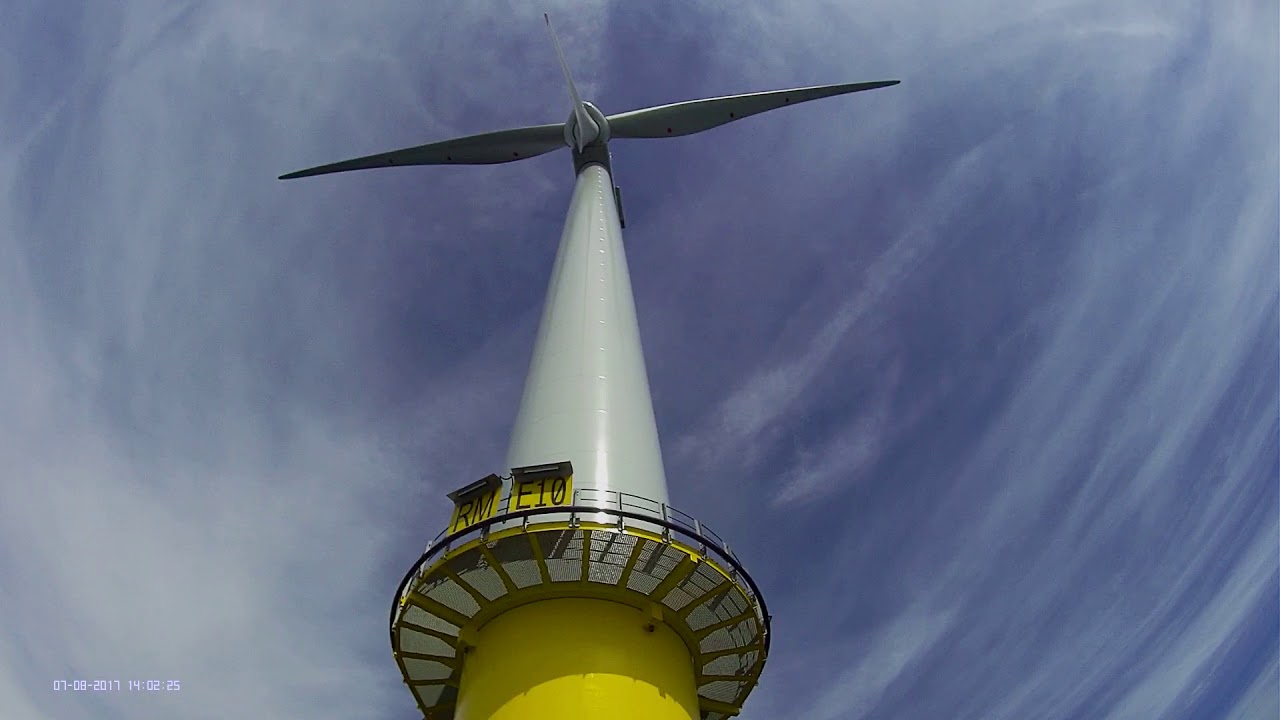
1074, 523
206, 477
896, 647
976, 373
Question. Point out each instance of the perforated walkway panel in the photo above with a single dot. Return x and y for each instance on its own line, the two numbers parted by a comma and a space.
697, 589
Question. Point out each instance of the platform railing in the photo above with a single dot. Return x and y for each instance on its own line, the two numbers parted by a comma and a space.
597, 499
639, 510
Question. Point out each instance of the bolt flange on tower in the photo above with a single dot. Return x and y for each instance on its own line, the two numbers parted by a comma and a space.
569, 587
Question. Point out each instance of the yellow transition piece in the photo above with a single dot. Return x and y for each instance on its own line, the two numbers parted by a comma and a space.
571, 659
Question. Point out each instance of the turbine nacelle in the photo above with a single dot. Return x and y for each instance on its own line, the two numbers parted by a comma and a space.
596, 130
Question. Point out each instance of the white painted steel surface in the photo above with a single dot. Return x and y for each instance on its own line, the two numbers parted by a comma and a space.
586, 398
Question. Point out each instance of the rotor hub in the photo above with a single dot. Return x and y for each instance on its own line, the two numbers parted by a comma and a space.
590, 135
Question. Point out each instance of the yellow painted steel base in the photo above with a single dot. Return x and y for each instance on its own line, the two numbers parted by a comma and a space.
571, 659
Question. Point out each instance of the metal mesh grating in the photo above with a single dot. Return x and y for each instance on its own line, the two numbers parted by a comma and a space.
603, 573
642, 582
651, 562
426, 669
486, 581
723, 665
475, 571
676, 598
564, 557
516, 557
611, 547
524, 573
557, 544
452, 596
466, 561
418, 616
665, 561
705, 579
430, 582
722, 690
701, 617
609, 555
733, 605
647, 548
618, 553
428, 695
744, 632
707, 594
618, 561
718, 640
510, 549
417, 642
566, 570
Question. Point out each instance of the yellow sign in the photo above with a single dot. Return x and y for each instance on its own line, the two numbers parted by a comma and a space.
528, 493
474, 503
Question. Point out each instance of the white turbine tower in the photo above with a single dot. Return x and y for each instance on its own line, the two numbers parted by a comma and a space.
571, 589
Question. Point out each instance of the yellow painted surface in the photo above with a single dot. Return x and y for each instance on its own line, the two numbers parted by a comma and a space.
553, 491
471, 510
577, 659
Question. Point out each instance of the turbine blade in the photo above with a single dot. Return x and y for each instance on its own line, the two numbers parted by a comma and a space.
686, 118
579, 110
485, 149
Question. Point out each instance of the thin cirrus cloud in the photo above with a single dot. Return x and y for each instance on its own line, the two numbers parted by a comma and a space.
977, 373
197, 485
1060, 487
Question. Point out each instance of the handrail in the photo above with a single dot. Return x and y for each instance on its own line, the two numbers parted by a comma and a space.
703, 541
683, 518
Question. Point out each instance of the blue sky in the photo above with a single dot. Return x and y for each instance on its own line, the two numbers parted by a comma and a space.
978, 374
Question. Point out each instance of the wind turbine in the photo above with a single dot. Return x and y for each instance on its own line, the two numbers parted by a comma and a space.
571, 589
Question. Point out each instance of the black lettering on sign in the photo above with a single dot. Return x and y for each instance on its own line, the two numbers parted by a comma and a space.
541, 492
473, 509
462, 517
484, 505
522, 492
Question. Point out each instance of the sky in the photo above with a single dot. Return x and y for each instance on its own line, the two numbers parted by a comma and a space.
979, 374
